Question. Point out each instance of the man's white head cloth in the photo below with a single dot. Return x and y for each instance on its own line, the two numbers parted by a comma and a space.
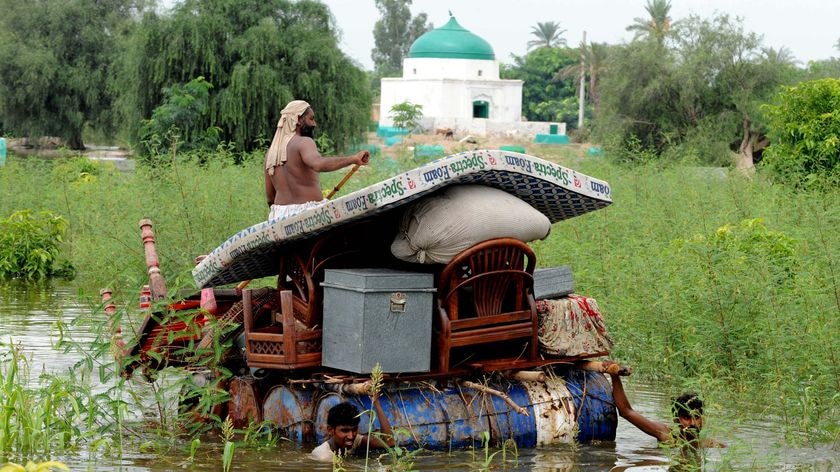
276, 155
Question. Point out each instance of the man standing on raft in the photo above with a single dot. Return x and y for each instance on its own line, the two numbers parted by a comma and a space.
292, 163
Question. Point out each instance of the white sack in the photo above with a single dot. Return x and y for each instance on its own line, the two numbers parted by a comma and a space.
437, 228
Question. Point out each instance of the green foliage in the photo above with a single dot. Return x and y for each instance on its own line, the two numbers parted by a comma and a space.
55, 57
805, 133
698, 98
184, 107
675, 314
751, 311
545, 96
407, 115
258, 56
393, 34
30, 246
230, 447
39, 418
657, 26
548, 35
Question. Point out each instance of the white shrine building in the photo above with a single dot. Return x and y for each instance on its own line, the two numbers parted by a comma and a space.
454, 75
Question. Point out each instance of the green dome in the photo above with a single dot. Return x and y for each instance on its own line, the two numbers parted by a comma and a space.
451, 41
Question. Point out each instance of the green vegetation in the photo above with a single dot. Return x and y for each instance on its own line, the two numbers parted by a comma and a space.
120, 68
725, 284
720, 283
545, 96
407, 115
30, 246
56, 57
805, 124
548, 35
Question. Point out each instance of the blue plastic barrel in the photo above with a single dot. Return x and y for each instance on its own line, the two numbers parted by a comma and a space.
575, 406
592, 392
290, 411
2, 151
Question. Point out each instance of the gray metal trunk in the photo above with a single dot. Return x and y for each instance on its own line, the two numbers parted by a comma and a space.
377, 315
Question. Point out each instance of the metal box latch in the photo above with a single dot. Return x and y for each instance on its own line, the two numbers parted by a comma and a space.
397, 302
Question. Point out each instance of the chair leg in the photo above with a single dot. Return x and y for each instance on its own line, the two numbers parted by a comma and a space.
443, 359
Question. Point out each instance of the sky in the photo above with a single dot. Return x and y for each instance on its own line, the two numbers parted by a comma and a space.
808, 28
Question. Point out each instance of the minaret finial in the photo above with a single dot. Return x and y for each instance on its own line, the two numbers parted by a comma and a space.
450, 12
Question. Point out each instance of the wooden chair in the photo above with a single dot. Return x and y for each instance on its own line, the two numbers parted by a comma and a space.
485, 295
286, 345
292, 340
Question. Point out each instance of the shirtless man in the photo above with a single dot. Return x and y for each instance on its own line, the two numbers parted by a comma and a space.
688, 418
293, 163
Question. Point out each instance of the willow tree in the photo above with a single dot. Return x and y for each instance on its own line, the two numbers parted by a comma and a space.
257, 55
55, 59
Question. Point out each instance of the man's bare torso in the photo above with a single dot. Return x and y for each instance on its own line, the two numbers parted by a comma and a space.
294, 181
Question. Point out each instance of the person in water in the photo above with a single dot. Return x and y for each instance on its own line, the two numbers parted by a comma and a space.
293, 163
685, 429
343, 432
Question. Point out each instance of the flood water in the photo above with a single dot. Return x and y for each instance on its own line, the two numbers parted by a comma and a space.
28, 315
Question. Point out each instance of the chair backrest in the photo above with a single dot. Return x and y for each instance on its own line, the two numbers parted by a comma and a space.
487, 279
302, 269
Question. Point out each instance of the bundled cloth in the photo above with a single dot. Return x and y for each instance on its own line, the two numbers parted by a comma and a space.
572, 326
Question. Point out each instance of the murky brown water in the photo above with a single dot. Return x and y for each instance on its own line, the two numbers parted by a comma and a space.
28, 315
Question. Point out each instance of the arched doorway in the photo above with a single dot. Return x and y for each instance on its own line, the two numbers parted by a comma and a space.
481, 109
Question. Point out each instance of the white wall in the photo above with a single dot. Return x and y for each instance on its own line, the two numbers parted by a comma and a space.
452, 98
461, 69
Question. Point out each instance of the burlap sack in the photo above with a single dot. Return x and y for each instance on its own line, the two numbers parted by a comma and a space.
437, 228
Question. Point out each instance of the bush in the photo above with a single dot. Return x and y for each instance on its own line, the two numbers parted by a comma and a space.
29, 246
805, 132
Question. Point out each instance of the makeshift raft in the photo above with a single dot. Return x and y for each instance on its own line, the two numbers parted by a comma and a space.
500, 385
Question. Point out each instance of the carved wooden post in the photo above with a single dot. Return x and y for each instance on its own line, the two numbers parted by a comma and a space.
116, 331
156, 282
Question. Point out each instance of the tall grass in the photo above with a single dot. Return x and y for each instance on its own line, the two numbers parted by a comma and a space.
734, 320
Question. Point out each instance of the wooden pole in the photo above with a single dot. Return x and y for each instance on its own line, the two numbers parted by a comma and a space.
342, 182
156, 282
605, 367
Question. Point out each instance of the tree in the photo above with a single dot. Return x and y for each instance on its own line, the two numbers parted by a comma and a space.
637, 117
407, 115
545, 97
731, 76
549, 35
594, 64
699, 99
804, 126
55, 57
394, 33
258, 56
658, 26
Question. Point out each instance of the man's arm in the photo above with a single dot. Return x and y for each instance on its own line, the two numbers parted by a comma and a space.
270, 191
386, 437
315, 161
657, 429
